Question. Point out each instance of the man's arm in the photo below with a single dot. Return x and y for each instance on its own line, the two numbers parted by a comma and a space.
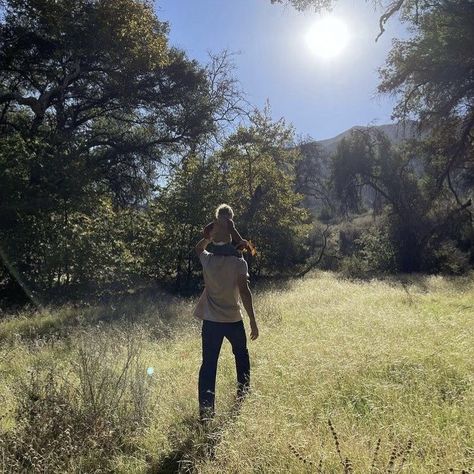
247, 301
201, 246
207, 230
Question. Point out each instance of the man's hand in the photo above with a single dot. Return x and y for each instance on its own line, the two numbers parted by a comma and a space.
253, 330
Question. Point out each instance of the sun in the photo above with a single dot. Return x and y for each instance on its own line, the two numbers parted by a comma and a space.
328, 37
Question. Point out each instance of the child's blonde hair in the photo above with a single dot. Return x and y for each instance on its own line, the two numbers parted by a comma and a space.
224, 209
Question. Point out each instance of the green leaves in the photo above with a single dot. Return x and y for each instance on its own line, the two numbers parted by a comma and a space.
93, 101
259, 162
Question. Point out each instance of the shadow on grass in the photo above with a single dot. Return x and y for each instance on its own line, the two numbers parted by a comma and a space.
200, 443
180, 458
421, 282
161, 312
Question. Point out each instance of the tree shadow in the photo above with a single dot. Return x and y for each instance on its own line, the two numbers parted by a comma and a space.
178, 460
409, 281
200, 443
418, 282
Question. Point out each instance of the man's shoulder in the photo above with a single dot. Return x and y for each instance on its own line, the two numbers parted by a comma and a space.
241, 266
204, 256
228, 260
234, 268
236, 261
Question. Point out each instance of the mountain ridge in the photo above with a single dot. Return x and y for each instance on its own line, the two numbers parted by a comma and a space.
396, 132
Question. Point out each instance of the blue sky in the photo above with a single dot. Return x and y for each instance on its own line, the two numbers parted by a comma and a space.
320, 98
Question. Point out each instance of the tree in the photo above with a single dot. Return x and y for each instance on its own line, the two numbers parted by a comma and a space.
390, 9
317, 5
97, 82
420, 214
432, 71
258, 162
185, 205
312, 177
92, 100
226, 95
433, 74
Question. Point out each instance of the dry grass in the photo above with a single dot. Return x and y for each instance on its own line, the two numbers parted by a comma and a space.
389, 363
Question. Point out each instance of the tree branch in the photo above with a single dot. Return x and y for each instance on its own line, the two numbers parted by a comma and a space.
320, 256
392, 9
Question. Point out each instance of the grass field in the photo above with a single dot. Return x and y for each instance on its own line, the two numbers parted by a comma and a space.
390, 364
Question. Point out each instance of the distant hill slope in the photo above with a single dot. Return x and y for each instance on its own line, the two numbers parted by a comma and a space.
395, 132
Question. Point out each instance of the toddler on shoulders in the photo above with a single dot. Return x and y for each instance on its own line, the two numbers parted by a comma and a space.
222, 232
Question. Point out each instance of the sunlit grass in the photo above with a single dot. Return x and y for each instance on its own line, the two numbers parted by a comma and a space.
386, 359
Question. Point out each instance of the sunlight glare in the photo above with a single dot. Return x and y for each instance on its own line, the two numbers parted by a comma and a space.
328, 37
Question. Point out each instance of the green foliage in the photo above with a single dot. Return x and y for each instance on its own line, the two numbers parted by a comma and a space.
376, 250
259, 168
312, 172
254, 172
96, 109
422, 212
432, 71
112, 245
403, 7
317, 5
447, 258
93, 101
82, 248
427, 185
185, 205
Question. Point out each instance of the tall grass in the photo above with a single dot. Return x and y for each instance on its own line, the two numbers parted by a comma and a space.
347, 376
75, 413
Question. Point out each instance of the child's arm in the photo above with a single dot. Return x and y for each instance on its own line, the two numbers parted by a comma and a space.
236, 237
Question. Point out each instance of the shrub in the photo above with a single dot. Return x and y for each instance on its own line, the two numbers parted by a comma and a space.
377, 250
372, 251
78, 417
354, 267
446, 258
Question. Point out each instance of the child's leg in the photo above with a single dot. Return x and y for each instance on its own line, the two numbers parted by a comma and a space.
224, 250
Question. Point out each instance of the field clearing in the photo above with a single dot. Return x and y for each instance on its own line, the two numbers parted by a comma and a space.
390, 360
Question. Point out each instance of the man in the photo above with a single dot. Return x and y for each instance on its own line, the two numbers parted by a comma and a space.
225, 278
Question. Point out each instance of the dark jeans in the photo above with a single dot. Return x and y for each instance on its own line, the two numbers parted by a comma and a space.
212, 336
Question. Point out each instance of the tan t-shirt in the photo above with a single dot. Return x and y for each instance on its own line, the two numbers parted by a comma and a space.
220, 299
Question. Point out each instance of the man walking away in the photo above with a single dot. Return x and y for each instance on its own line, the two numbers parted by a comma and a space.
225, 278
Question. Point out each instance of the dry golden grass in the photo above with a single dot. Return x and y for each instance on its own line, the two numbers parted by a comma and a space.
389, 363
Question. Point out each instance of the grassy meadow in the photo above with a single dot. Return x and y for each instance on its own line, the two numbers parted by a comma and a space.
114, 388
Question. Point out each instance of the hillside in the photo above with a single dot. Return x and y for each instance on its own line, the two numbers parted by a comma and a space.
395, 132
319, 152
